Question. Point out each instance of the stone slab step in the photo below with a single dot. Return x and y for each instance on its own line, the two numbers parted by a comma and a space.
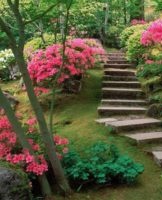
146, 137
157, 157
119, 72
120, 110
115, 53
109, 65
116, 62
116, 57
106, 66
137, 102
129, 84
105, 120
135, 124
119, 78
122, 93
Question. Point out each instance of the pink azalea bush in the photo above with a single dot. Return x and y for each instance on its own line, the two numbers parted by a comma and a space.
11, 151
47, 64
137, 21
153, 34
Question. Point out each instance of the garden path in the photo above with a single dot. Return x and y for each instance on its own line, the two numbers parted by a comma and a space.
124, 104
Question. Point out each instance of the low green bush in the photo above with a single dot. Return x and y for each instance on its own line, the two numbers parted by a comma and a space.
149, 70
135, 50
113, 35
127, 32
102, 164
37, 43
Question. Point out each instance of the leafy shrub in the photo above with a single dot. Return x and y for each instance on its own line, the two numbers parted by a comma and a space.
153, 34
112, 35
136, 22
37, 43
102, 164
12, 152
150, 69
45, 65
126, 33
135, 49
86, 18
6, 61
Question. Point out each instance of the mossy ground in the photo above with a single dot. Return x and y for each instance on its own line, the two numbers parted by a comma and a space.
74, 117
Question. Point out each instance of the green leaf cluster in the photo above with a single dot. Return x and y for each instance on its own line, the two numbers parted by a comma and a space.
127, 32
149, 70
102, 164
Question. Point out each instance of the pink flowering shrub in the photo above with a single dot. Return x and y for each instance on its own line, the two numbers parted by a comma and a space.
46, 64
136, 21
11, 151
153, 34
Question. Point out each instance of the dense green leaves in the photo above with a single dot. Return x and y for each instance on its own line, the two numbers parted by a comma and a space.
102, 164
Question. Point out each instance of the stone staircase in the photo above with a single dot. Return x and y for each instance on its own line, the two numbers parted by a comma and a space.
124, 104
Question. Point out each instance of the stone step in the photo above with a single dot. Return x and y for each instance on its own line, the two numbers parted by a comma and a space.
119, 72
157, 157
137, 102
115, 54
115, 58
122, 93
105, 120
134, 124
146, 137
129, 84
119, 78
118, 66
120, 110
115, 66
117, 62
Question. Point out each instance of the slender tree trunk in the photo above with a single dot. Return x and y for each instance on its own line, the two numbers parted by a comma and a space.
64, 37
46, 190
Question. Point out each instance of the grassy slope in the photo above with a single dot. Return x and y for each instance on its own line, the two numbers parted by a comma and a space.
81, 111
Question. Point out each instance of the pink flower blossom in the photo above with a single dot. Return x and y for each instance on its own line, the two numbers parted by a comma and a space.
153, 34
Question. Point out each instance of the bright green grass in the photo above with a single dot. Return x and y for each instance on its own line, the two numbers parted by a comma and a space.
81, 111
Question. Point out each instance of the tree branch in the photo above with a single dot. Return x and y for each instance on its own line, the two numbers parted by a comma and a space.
15, 9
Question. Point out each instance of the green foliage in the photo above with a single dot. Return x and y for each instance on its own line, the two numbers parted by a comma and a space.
112, 35
37, 42
136, 9
87, 18
150, 70
135, 50
102, 164
158, 4
126, 33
